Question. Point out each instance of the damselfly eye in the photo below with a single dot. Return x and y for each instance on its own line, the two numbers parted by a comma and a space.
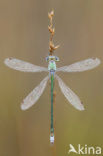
57, 58
47, 58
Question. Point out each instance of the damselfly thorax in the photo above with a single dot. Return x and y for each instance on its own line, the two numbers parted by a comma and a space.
52, 62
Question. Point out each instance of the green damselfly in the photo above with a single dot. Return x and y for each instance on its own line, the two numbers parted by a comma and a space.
32, 98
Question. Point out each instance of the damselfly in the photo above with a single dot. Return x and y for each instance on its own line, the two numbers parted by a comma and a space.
32, 98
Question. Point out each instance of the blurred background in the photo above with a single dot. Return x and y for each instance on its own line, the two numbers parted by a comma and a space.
24, 35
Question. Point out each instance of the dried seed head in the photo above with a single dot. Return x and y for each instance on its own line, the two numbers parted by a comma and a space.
52, 31
49, 15
56, 47
52, 13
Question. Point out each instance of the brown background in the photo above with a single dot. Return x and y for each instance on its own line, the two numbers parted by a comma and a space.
24, 35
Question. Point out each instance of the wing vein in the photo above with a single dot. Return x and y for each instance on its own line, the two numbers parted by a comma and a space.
84, 65
23, 66
33, 97
70, 95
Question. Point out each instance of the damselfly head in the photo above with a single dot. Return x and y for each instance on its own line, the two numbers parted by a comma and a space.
50, 58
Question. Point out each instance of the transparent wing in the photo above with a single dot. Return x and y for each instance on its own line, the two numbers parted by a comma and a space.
34, 95
23, 66
81, 66
70, 95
